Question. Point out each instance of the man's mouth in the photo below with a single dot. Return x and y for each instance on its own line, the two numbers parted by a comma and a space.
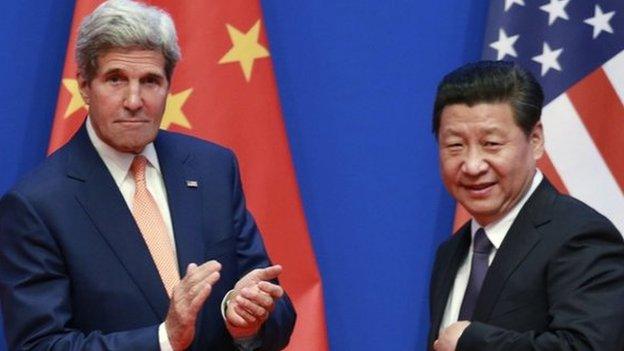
479, 189
130, 122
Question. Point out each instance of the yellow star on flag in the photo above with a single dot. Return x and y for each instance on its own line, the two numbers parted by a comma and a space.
173, 111
245, 48
76, 102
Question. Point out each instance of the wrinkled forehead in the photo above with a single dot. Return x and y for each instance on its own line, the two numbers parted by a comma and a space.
131, 59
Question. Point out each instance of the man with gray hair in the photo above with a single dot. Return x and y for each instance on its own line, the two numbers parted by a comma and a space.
131, 238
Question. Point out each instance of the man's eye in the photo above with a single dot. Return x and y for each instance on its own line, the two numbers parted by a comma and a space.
151, 80
114, 79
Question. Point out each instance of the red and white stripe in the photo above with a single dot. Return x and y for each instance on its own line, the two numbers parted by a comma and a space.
584, 130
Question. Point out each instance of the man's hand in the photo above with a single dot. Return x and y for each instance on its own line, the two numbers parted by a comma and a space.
187, 299
447, 341
252, 301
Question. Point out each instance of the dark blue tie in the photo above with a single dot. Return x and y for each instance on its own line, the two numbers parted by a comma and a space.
478, 268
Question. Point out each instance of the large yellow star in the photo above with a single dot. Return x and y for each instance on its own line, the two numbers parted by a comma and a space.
76, 102
173, 111
245, 48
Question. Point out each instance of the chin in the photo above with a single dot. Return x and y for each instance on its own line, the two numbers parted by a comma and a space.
136, 145
133, 148
481, 212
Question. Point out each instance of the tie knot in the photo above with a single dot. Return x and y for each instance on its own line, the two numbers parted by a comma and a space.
138, 168
481, 242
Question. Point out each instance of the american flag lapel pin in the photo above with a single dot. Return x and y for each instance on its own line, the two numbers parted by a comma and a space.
192, 184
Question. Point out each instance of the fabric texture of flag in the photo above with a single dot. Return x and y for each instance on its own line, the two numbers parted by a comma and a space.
224, 90
575, 48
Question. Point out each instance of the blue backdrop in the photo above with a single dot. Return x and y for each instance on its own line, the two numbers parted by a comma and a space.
357, 80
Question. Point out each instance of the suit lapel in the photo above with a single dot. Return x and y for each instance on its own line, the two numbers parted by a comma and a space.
185, 201
105, 206
449, 264
519, 241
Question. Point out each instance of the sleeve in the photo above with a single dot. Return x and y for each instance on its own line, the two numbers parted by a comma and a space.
163, 338
585, 296
276, 331
35, 289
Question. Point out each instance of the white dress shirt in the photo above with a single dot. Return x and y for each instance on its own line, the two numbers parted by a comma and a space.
496, 233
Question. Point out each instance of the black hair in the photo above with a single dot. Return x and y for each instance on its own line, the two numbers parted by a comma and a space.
492, 82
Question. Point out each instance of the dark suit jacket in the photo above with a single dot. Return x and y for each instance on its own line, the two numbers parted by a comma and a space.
75, 272
556, 283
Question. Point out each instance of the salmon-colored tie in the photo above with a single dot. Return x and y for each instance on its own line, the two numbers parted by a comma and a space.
152, 226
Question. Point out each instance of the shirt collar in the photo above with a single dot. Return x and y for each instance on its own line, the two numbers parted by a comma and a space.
496, 231
118, 163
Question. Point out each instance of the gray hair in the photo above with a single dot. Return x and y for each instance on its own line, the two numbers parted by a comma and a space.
125, 24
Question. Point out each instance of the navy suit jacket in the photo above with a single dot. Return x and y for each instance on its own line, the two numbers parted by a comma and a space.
556, 282
76, 274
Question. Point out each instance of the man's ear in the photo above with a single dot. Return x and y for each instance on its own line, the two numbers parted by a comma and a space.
85, 88
536, 138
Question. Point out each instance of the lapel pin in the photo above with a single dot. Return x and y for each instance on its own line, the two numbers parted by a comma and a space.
192, 184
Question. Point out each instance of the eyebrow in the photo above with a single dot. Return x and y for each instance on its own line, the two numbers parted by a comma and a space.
112, 71
450, 132
493, 130
148, 74
155, 75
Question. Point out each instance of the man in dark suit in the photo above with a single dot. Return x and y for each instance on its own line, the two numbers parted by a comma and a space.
128, 238
533, 269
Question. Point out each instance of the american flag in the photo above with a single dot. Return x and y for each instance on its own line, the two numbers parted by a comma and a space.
576, 50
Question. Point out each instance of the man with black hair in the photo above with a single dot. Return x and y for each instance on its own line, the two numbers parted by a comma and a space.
533, 269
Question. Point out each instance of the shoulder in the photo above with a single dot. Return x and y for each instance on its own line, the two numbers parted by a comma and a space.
559, 217
196, 148
459, 239
45, 178
574, 229
572, 215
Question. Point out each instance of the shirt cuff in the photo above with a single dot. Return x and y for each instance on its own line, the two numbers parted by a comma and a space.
242, 344
163, 338
224, 303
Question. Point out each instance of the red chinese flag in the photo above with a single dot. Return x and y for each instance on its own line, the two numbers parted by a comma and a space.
224, 90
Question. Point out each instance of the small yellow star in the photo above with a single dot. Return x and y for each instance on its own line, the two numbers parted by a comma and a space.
173, 111
245, 48
76, 102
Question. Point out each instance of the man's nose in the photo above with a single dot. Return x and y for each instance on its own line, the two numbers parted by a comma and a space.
133, 100
474, 162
